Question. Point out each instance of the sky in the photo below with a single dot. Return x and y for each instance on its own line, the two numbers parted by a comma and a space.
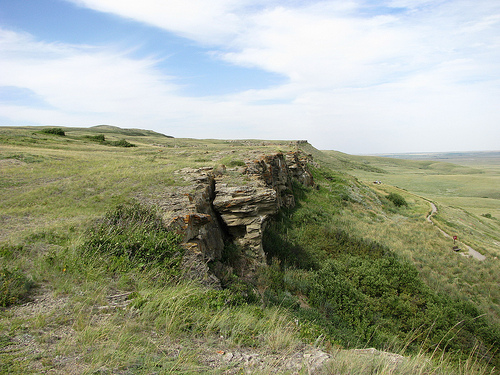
356, 76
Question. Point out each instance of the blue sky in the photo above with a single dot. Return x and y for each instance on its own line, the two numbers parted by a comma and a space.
358, 76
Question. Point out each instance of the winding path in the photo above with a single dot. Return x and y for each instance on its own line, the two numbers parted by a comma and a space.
473, 253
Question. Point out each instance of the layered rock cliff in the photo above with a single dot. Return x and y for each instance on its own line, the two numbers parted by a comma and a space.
221, 206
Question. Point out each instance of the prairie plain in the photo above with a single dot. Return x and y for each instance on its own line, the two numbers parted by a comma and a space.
347, 269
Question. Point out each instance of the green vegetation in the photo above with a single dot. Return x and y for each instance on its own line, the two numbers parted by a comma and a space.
54, 131
82, 238
14, 287
397, 199
133, 236
360, 291
100, 138
236, 163
97, 138
122, 143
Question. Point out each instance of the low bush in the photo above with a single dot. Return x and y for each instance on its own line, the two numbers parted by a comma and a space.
359, 291
122, 143
14, 287
397, 199
236, 163
133, 235
97, 138
100, 138
54, 131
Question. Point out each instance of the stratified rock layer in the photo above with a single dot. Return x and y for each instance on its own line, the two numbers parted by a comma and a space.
232, 205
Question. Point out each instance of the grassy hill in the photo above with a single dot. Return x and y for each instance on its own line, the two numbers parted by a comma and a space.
466, 190
348, 268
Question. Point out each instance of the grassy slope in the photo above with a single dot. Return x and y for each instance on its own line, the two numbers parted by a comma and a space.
465, 191
360, 248
134, 320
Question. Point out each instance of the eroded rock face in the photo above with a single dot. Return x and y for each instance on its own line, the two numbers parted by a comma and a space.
246, 209
189, 212
232, 205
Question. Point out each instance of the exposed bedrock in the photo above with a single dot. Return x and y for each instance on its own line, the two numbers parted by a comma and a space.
232, 205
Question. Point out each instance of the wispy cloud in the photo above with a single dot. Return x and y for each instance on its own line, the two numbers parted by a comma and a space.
82, 80
360, 76
209, 22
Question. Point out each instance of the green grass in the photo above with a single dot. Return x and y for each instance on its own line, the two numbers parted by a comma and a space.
363, 263
133, 235
53, 191
350, 268
465, 191
14, 287
362, 362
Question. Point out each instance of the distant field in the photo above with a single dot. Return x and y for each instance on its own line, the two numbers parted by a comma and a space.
462, 158
466, 186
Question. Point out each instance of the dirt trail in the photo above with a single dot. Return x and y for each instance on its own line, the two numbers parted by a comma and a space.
473, 253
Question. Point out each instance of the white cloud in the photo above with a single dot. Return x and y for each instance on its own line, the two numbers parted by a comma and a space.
319, 51
84, 81
327, 43
204, 21
360, 79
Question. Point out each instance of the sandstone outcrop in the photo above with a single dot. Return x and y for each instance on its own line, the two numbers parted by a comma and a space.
224, 205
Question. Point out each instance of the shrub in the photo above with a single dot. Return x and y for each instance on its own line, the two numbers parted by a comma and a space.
357, 290
122, 143
133, 236
14, 286
54, 131
236, 163
97, 138
397, 199
100, 138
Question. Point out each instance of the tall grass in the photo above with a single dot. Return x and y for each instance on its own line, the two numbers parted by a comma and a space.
189, 310
362, 362
165, 329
